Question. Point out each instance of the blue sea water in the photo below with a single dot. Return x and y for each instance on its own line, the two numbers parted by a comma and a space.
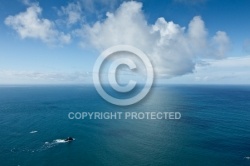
214, 128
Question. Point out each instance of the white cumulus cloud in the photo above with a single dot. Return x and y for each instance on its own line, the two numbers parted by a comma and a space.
220, 43
30, 24
173, 50
73, 13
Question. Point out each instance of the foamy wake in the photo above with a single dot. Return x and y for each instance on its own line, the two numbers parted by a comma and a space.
248, 158
60, 141
32, 132
45, 146
48, 145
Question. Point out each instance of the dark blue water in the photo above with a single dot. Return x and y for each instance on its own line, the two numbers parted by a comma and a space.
214, 128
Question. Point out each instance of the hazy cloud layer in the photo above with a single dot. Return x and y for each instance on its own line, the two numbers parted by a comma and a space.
7, 76
234, 70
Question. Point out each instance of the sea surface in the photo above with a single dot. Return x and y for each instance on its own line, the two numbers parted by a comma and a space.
214, 129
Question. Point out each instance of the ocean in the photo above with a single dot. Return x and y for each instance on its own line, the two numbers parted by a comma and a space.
214, 129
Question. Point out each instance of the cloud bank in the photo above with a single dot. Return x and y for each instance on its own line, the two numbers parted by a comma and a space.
174, 50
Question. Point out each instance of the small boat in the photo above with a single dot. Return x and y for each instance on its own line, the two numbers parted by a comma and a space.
69, 139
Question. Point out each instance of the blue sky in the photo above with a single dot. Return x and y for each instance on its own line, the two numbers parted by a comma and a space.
51, 42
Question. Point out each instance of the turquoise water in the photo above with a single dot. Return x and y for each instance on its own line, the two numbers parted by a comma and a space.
214, 128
